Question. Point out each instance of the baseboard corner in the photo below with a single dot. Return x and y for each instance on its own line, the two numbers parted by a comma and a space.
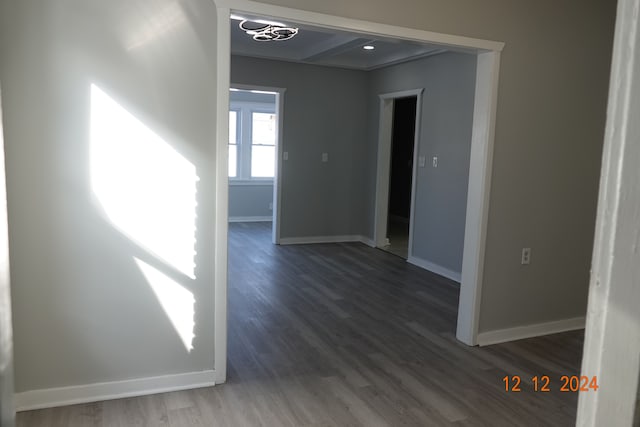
530, 331
367, 241
456, 276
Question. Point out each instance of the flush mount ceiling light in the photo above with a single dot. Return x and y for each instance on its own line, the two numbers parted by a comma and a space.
266, 31
368, 47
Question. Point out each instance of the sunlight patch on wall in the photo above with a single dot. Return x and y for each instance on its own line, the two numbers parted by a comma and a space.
146, 188
154, 27
176, 301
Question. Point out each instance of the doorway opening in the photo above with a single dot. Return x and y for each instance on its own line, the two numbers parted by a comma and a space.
484, 112
403, 140
255, 123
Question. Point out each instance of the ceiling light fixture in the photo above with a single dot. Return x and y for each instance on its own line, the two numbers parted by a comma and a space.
368, 47
265, 31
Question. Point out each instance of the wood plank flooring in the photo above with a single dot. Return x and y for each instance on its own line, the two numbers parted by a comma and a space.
346, 335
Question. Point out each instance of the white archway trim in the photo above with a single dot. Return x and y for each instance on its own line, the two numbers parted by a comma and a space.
612, 337
475, 234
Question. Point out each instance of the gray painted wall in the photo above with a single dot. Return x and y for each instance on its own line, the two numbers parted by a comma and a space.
84, 312
449, 82
447, 114
246, 201
324, 111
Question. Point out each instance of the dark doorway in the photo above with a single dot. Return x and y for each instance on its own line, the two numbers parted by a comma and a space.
400, 179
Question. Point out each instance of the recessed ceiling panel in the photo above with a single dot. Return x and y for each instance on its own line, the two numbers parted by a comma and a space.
384, 53
321, 46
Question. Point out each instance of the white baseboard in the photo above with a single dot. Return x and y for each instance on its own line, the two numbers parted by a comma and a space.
250, 218
367, 241
326, 239
62, 396
530, 331
456, 276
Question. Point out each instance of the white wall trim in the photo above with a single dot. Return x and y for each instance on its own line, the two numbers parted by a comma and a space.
435, 268
221, 225
612, 339
402, 93
478, 192
363, 27
530, 331
348, 238
250, 218
277, 188
414, 173
62, 396
367, 241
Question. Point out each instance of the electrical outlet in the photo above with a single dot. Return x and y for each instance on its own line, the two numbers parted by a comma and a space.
325, 157
435, 161
526, 256
285, 155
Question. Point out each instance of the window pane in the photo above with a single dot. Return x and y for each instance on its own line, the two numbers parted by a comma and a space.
233, 160
263, 160
233, 127
264, 128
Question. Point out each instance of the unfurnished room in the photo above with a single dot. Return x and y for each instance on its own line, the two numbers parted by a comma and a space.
251, 213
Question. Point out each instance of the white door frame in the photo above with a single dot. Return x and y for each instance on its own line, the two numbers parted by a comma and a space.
383, 175
481, 151
612, 336
478, 192
277, 179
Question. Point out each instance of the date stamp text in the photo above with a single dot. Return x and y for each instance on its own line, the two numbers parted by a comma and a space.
545, 384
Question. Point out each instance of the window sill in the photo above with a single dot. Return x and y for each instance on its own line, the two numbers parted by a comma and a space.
250, 182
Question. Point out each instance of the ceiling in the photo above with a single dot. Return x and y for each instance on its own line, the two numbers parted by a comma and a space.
322, 46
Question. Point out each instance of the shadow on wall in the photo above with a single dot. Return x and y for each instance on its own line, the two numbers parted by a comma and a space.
147, 191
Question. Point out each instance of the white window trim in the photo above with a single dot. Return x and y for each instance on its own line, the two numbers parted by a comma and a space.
244, 111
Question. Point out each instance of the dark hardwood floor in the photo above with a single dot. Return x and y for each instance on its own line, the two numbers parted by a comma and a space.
347, 335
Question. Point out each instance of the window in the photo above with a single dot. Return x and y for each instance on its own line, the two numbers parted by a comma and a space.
263, 145
252, 141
